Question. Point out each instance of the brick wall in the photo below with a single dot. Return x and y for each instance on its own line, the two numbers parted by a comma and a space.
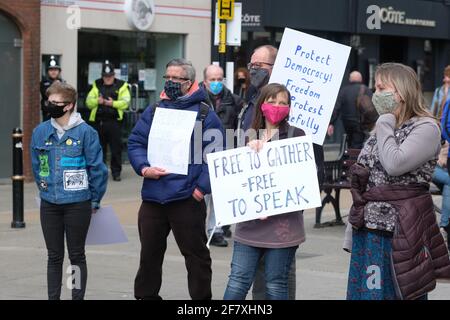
27, 16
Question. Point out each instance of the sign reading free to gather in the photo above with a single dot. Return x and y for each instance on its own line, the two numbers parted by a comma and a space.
248, 185
312, 69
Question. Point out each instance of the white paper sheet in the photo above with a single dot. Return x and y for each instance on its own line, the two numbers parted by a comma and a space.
105, 228
169, 139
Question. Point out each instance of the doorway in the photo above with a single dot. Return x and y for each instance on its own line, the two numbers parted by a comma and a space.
393, 49
10, 90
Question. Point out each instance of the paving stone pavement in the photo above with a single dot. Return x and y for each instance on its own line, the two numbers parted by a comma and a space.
322, 265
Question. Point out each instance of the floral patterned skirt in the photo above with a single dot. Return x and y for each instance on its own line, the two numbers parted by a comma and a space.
370, 276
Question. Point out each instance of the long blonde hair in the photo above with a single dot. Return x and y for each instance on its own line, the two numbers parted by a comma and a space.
404, 79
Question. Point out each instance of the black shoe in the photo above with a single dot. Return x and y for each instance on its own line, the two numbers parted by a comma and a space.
227, 232
218, 241
117, 178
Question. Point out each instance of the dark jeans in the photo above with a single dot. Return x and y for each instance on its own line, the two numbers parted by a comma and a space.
186, 219
277, 263
259, 284
110, 134
73, 220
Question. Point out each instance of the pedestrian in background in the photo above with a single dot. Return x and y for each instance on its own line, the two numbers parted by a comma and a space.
241, 83
442, 179
260, 69
347, 108
53, 75
227, 106
397, 249
441, 95
69, 171
108, 99
442, 172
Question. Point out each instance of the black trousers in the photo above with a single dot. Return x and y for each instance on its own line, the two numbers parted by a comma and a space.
72, 220
110, 134
186, 219
356, 139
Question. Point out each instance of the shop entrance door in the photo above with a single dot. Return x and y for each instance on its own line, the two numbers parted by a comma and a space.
393, 49
10, 90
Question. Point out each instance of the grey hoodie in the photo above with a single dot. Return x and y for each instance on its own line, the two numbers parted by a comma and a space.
74, 121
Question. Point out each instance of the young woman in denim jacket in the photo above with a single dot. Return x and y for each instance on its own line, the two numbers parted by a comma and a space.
69, 171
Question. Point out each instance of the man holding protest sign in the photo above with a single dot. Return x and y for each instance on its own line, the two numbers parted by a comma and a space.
173, 198
276, 238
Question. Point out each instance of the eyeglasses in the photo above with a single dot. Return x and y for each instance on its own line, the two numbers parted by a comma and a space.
176, 79
257, 65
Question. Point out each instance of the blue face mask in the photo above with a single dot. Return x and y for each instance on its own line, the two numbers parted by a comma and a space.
216, 87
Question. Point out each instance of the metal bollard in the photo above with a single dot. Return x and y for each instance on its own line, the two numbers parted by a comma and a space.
17, 179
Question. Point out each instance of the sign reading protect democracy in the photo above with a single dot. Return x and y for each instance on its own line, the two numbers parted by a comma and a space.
312, 69
248, 185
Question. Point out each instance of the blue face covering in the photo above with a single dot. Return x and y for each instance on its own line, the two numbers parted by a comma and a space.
216, 87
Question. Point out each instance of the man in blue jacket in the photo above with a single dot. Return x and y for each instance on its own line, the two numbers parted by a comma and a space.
171, 201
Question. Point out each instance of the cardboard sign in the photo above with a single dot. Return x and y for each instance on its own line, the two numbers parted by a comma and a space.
280, 178
312, 69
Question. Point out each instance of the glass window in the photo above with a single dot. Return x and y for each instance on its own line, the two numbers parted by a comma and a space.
138, 58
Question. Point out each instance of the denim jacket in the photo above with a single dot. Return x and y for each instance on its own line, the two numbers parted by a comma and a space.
69, 169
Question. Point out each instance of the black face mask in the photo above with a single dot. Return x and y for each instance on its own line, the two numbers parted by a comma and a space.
54, 110
259, 77
173, 90
241, 81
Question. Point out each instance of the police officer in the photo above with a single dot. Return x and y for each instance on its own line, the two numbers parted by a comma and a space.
53, 74
107, 100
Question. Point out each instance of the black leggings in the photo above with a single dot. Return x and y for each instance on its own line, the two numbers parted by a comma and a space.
72, 219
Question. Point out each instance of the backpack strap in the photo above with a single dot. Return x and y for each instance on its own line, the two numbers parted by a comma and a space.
204, 110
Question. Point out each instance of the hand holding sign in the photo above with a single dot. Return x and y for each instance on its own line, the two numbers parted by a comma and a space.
154, 172
256, 145
248, 185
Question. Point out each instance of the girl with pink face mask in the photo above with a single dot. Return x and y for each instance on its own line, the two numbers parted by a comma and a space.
275, 238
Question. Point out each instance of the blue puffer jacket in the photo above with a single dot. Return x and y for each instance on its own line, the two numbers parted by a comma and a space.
172, 187
445, 123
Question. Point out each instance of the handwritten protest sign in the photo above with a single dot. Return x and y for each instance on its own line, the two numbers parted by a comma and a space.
312, 69
279, 178
169, 139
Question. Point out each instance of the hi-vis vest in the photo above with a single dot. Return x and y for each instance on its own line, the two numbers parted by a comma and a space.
121, 104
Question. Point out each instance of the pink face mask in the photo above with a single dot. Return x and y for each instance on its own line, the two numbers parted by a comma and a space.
274, 114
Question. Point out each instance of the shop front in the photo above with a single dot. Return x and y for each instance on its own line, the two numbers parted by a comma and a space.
138, 37
413, 32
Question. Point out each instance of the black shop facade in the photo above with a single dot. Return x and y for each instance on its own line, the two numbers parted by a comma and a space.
413, 32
